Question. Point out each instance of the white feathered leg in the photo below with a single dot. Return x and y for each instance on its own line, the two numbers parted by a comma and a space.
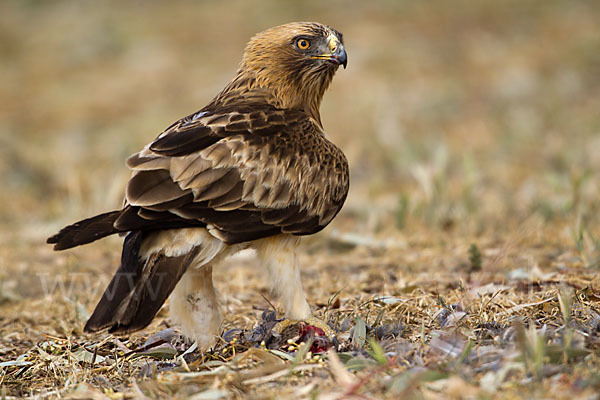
195, 307
278, 253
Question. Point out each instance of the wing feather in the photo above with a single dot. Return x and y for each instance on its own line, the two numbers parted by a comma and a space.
204, 179
140, 161
176, 142
151, 187
220, 187
187, 167
229, 199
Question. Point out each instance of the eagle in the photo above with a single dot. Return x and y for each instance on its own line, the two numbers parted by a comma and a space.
252, 169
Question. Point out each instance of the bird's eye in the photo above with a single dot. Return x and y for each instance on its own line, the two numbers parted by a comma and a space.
302, 44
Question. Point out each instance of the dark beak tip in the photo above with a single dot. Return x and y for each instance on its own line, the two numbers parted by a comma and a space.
343, 58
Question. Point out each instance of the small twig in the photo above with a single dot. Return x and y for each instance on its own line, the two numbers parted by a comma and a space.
268, 301
146, 347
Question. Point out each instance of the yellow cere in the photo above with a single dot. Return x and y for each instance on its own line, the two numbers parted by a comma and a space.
333, 43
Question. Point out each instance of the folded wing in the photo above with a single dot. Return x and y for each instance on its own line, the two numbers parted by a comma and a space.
245, 175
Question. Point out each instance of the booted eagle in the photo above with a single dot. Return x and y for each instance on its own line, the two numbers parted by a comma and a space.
252, 169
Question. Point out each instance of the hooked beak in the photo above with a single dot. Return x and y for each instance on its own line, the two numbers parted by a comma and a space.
337, 53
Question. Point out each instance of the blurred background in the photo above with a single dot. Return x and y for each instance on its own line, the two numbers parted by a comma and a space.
473, 134
461, 120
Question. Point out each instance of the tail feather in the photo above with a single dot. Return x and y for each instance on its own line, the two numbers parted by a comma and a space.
85, 231
139, 288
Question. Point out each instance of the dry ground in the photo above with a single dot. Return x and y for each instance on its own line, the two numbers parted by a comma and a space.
464, 264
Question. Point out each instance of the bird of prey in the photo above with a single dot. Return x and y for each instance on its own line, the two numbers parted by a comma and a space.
252, 169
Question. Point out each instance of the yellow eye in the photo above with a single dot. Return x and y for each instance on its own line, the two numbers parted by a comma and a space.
303, 44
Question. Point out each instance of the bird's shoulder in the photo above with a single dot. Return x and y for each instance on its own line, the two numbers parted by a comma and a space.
245, 127
212, 124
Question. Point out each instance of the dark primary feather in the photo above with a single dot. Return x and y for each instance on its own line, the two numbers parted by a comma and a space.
85, 231
138, 289
120, 221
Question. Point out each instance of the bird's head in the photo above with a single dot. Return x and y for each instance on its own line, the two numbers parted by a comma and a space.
296, 61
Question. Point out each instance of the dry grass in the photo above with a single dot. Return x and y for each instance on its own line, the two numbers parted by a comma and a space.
464, 265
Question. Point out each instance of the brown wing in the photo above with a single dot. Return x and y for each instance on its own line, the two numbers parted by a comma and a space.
245, 174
